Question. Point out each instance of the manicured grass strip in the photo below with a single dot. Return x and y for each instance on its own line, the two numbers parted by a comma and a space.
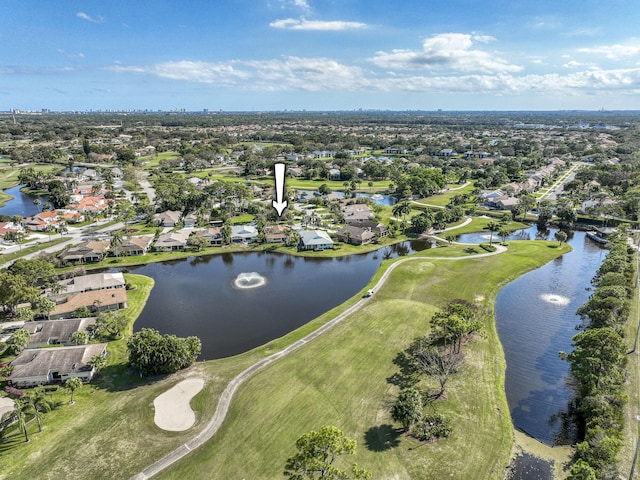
7, 257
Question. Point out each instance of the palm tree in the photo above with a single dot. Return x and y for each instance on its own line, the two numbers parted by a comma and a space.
98, 362
116, 241
41, 405
37, 202
503, 233
73, 384
402, 209
23, 407
492, 227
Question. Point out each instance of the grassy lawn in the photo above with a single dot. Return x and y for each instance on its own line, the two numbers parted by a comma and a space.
479, 224
442, 199
340, 379
4, 258
154, 161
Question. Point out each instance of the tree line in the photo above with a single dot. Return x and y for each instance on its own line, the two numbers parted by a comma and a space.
598, 364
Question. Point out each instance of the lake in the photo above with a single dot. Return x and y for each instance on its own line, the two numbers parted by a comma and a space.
21, 204
199, 296
536, 318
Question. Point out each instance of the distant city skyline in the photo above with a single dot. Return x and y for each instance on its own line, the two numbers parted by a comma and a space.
275, 55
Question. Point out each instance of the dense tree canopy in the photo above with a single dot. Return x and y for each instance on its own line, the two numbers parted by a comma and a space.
152, 353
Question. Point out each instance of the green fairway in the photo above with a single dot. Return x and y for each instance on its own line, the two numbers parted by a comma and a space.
442, 199
340, 379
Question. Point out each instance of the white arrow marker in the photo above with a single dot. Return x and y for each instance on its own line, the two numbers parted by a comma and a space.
278, 203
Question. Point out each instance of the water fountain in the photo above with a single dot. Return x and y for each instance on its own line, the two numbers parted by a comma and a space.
249, 280
555, 299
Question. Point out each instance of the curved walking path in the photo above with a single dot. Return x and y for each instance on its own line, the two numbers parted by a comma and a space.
225, 399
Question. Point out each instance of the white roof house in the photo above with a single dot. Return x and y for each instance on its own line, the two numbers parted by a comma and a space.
315, 240
243, 233
94, 281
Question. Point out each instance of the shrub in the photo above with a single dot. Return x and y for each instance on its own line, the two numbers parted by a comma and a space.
431, 427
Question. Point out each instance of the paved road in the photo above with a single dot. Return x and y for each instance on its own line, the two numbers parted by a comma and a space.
74, 237
225, 399
558, 186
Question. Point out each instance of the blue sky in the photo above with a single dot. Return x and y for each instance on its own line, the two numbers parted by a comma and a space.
254, 55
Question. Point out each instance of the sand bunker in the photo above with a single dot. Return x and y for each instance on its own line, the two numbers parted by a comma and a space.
173, 411
6, 405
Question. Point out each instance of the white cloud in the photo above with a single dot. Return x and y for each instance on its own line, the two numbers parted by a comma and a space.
320, 74
89, 18
323, 25
452, 51
303, 4
576, 64
202, 72
583, 32
612, 52
537, 59
79, 55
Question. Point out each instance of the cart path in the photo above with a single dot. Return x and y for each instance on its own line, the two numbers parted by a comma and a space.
225, 399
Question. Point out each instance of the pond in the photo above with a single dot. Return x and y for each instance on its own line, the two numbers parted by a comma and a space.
236, 302
536, 318
21, 204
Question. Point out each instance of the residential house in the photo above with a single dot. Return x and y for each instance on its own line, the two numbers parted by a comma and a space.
357, 212
70, 216
9, 227
277, 234
41, 221
294, 171
87, 252
243, 233
314, 240
447, 152
170, 218
190, 220
213, 235
379, 229
334, 174
93, 281
41, 366
94, 300
506, 203
56, 332
355, 235
90, 204
395, 151
322, 154
171, 241
134, 246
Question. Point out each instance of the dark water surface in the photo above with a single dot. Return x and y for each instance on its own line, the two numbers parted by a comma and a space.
536, 319
21, 204
198, 296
